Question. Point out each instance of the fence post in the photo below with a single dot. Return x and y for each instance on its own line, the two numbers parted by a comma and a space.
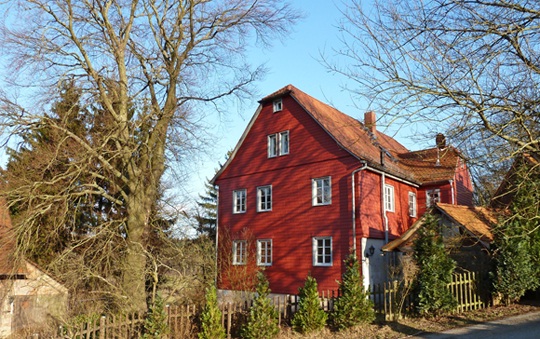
102, 325
229, 319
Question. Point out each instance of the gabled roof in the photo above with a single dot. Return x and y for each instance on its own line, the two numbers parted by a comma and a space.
507, 189
376, 148
477, 221
433, 164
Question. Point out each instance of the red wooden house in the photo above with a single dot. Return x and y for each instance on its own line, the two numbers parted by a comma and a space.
307, 184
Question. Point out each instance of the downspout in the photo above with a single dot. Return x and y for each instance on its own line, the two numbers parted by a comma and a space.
217, 228
364, 166
383, 207
452, 191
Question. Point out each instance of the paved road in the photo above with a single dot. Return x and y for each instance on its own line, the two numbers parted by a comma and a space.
526, 326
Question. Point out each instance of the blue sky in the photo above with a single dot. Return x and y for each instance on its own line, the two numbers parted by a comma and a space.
294, 61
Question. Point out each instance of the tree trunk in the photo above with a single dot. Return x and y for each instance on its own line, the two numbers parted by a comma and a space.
134, 265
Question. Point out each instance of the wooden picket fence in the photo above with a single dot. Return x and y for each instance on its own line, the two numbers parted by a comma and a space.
391, 300
179, 318
395, 299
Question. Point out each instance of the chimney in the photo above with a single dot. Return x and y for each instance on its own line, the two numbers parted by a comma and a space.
440, 140
370, 120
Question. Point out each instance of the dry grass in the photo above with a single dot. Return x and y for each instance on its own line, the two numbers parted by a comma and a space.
413, 326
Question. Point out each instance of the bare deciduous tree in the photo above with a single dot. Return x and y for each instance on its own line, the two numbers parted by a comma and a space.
469, 67
142, 68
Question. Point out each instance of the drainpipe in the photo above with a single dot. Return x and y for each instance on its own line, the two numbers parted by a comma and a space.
383, 207
452, 190
364, 166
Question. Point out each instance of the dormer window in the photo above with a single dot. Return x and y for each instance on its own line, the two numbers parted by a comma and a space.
433, 197
278, 105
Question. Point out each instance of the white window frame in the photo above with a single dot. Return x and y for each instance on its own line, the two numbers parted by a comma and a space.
284, 143
321, 191
239, 252
264, 252
277, 105
430, 194
412, 205
239, 201
325, 245
389, 198
273, 146
278, 144
264, 198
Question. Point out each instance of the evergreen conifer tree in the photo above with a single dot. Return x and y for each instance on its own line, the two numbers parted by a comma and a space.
435, 270
353, 306
309, 316
155, 324
262, 319
207, 213
211, 317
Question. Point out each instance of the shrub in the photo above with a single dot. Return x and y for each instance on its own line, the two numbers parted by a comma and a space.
211, 327
353, 306
155, 324
262, 319
309, 316
435, 270
517, 239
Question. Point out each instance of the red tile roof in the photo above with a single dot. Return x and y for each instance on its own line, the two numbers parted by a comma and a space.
477, 220
424, 166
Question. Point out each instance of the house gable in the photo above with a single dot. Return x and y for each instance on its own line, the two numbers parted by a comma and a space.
298, 206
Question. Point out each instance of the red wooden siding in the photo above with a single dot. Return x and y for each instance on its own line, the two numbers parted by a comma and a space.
293, 221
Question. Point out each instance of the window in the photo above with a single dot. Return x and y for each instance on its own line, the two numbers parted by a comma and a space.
278, 144
321, 191
322, 251
239, 201
432, 197
272, 145
278, 105
239, 252
412, 204
264, 198
389, 198
264, 252
284, 143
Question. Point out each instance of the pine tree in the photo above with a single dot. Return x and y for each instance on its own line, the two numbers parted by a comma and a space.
309, 316
155, 324
353, 306
207, 214
435, 270
211, 317
262, 319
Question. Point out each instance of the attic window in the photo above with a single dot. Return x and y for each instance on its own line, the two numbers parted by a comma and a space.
278, 105
432, 197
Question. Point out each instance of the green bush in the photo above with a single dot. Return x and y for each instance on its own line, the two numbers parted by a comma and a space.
435, 270
262, 319
309, 316
517, 238
353, 306
155, 324
211, 327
